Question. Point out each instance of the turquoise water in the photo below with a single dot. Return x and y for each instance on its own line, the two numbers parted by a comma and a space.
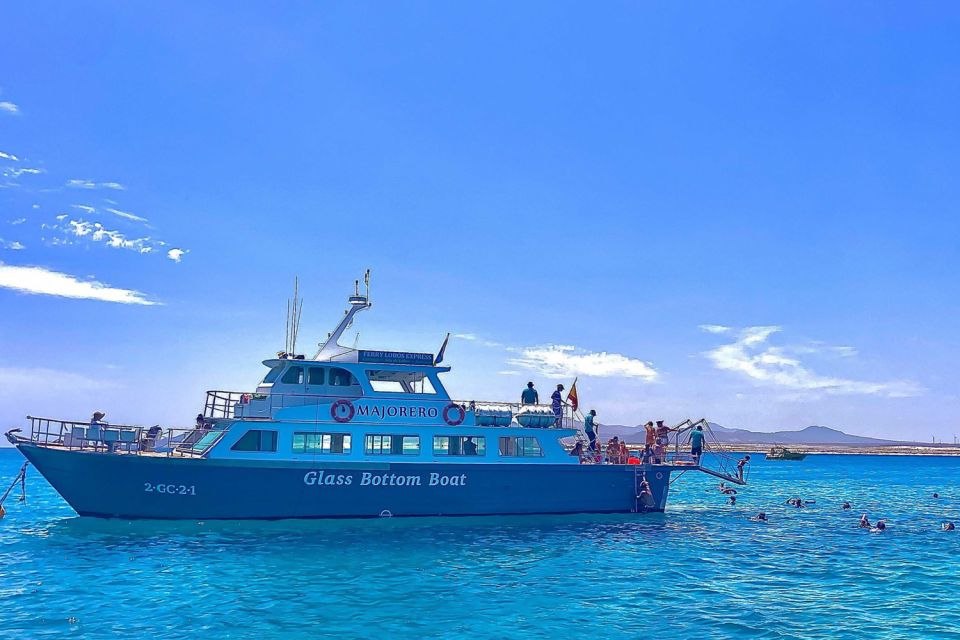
702, 568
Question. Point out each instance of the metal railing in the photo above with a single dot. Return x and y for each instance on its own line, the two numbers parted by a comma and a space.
221, 404
121, 438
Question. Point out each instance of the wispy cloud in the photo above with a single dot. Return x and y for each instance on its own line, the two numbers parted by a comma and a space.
715, 328
85, 208
125, 214
18, 221
565, 361
98, 233
13, 172
752, 356
12, 245
176, 254
8, 156
90, 184
42, 281
9, 107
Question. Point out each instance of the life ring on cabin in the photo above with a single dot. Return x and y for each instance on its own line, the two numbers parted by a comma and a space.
461, 414
659, 476
342, 410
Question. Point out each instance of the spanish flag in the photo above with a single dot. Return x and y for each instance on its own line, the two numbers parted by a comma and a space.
572, 398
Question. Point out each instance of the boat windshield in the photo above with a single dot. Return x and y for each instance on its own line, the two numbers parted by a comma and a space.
273, 374
399, 381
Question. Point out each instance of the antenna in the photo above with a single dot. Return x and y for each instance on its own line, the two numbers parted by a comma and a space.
294, 311
366, 281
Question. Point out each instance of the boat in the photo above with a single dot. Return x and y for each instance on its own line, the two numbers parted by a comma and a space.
782, 453
346, 433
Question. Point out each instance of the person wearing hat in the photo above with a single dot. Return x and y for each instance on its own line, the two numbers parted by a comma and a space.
529, 395
557, 399
94, 433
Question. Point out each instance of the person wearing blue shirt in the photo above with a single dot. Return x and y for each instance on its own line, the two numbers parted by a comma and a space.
696, 443
590, 426
529, 395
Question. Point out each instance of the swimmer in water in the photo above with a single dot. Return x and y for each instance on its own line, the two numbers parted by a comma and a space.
846, 506
733, 500
948, 526
760, 517
864, 522
936, 495
881, 525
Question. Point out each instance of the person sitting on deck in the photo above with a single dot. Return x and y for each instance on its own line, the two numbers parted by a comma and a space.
556, 401
201, 422
578, 450
529, 395
590, 426
647, 455
696, 443
149, 440
740, 465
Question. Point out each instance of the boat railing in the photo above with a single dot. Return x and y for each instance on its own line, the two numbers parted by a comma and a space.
221, 404
121, 438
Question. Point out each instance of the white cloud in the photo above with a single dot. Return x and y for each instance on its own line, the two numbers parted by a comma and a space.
8, 156
125, 214
465, 336
84, 207
715, 328
90, 184
9, 107
751, 355
12, 172
564, 361
41, 281
12, 245
18, 221
176, 254
98, 233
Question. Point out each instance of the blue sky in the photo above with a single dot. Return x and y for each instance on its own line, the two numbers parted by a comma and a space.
740, 211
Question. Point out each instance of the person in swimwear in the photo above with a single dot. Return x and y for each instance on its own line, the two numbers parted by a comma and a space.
733, 500
948, 526
881, 526
864, 522
760, 517
846, 506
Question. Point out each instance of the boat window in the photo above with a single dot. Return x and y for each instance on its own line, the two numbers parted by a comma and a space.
273, 374
256, 440
294, 375
332, 443
400, 381
524, 447
341, 378
392, 445
315, 375
459, 446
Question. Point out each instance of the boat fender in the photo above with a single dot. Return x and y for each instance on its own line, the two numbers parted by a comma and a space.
450, 419
632, 460
342, 410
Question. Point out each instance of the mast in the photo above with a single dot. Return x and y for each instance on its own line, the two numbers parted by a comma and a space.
358, 302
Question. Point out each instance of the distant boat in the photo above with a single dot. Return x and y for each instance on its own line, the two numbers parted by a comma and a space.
782, 453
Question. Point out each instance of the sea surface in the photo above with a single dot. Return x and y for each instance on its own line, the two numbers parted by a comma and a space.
703, 569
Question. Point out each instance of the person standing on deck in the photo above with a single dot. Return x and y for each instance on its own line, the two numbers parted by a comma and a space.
590, 426
557, 402
529, 395
740, 465
663, 439
696, 443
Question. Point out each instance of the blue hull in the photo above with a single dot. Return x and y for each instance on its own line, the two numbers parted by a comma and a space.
131, 486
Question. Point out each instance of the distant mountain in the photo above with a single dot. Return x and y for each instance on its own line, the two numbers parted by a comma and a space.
809, 435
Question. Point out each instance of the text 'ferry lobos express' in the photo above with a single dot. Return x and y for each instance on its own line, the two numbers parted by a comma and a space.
347, 433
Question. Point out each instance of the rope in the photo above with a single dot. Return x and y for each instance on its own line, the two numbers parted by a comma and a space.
21, 478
